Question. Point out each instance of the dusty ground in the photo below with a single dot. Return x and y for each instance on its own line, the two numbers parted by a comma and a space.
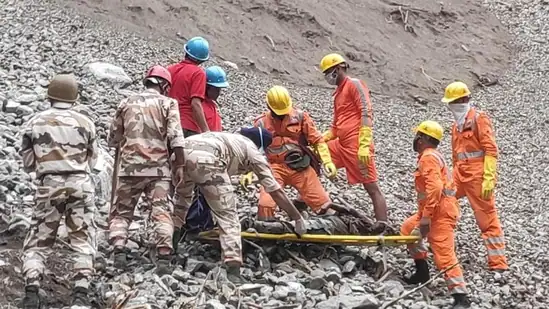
440, 41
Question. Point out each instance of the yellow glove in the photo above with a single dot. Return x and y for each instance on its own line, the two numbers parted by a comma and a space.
328, 135
246, 180
365, 136
489, 177
324, 154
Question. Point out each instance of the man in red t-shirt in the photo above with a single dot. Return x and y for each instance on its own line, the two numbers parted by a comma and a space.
216, 79
189, 86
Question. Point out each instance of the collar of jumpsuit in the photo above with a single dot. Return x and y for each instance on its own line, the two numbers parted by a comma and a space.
61, 105
460, 111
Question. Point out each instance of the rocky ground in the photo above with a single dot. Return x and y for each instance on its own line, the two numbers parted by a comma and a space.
40, 39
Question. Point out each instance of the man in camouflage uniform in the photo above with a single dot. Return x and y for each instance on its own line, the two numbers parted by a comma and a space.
210, 159
146, 130
59, 144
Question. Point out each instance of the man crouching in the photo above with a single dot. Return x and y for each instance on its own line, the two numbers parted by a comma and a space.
210, 160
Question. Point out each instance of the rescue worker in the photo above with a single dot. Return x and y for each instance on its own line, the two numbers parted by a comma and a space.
59, 144
146, 130
293, 131
350, 138
189, 86
216, 80
437, 214
210, 159
474, 154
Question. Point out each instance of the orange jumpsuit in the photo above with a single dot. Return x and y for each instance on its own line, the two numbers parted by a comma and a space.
296, 126
469, 146
352, 110
436, 200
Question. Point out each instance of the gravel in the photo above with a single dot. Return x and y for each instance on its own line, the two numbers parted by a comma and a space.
39, 40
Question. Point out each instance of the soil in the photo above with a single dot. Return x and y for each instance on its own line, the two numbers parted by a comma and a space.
402, 49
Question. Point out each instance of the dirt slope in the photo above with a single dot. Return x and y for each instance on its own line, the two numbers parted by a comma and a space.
440, 41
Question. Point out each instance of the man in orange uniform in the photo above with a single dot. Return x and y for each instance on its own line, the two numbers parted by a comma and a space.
350, 138
293, 131
474, 154
437, 214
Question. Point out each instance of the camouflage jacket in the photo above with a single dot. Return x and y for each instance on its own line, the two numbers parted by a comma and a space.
237, 153
146, 127
59, 141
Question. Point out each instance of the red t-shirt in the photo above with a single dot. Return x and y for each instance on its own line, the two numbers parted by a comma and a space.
188, 82
213, 118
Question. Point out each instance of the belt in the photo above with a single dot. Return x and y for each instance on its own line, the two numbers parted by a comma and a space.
445, 192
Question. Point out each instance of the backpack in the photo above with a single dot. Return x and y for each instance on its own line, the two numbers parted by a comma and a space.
199, 217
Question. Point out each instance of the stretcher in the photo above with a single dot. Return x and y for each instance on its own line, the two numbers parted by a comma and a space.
348, 240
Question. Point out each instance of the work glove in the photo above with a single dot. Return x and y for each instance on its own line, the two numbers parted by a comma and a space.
489, 177
328, 135
300, 227
424, 226
246, 180
324, 154
365, 136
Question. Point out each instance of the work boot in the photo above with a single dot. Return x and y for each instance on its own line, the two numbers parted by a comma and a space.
80, 297
120, 258
461, 301
422, 273
31, 299
164, 264
233, 274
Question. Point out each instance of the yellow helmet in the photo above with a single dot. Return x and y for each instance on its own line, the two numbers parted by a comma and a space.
330, 61
454, 91
431, 128
279, 100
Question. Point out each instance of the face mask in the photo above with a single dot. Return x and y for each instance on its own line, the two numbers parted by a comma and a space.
331, 78
460, 111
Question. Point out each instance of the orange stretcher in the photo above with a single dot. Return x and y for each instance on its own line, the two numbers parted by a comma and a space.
348, 240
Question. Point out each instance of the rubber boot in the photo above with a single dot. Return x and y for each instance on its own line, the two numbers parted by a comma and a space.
461, 301
233, 274
422, 273
163, 265
31, 299
80, 297
120, 258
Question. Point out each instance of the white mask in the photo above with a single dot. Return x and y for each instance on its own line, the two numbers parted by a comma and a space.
459, 110
331, 78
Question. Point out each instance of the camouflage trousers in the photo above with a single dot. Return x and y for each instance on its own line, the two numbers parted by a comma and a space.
58, 195
205, 170
128, 192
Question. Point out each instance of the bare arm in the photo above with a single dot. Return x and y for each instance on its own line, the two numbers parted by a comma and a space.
198, 114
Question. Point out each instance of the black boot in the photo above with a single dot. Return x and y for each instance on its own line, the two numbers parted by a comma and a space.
461, 301
120, 258
233, 274
80, 297
31, 299
421, 275
164, 264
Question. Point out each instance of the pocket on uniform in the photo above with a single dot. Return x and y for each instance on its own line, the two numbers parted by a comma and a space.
294, 129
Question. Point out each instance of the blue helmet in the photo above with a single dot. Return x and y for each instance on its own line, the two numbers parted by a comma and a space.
216, 77
198, 48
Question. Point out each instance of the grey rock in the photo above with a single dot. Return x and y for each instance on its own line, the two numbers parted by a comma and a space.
24, 110
317, 283
27, 98
110, 72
